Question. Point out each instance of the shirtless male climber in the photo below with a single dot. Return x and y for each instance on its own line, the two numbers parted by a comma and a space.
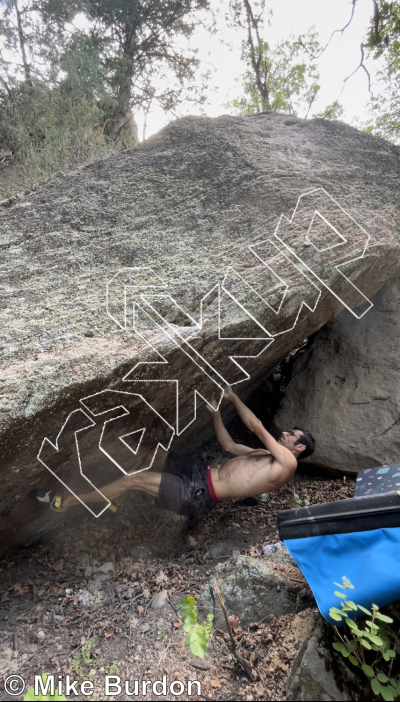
187, 487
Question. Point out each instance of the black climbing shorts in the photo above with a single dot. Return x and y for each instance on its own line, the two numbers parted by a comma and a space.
183, 487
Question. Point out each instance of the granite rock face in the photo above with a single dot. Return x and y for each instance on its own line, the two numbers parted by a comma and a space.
252, 589
175, 217
319, 673
353, 368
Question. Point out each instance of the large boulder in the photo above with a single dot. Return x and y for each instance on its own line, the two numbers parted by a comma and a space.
252, 588
346, 391
319, 673
175, 216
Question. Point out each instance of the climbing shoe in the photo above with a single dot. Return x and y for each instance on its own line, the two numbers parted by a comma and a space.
49, 500
54, 500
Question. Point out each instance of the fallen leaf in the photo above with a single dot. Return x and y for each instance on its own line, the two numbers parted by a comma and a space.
140, 609
182, 646
192, 541
146, 593
177, 625
58, 566
109, 634
215, 683
20, 589
279, 664
234, 621
161, 577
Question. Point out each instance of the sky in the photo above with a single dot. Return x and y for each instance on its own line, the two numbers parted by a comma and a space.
222, 54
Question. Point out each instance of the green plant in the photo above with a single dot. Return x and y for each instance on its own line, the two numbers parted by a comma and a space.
84, 657
372, 635
161, 633
111, 669
296, 501
30, 695
197, 634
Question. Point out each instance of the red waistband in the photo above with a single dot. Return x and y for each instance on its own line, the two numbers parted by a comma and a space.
210, 487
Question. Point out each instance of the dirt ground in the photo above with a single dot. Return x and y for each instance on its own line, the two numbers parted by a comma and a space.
61, 614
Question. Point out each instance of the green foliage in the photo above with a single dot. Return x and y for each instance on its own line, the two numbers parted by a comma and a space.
48, 130
383, 40
30, 695
111, 669
334, 111
384, 32
84, 658
385, 108
359, 638
159, 633
197, 634
290, 81
67, 92
282, 77
142, 51
296, 501
51, 93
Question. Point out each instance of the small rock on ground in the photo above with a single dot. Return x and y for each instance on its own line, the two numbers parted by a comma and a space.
108, 567
160, 599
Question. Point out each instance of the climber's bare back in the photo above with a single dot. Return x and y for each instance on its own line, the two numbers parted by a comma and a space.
253, 474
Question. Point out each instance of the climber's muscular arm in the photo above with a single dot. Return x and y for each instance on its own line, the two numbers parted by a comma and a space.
223, 436
282, 455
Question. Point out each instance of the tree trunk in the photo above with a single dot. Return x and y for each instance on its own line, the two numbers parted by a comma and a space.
121, 115
255, 53
21, 37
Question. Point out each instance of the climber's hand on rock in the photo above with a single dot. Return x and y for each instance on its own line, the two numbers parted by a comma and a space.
212, 406
228, 393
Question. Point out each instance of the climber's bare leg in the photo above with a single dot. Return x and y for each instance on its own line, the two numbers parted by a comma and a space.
146, 480
159, 459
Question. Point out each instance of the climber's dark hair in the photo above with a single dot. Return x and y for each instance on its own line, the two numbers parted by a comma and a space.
308, 440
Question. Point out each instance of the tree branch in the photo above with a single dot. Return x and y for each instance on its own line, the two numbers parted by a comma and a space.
21, 38
336, 31
360, 65
233, 646
256, 52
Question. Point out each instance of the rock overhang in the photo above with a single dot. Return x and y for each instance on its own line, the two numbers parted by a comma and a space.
187, 204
